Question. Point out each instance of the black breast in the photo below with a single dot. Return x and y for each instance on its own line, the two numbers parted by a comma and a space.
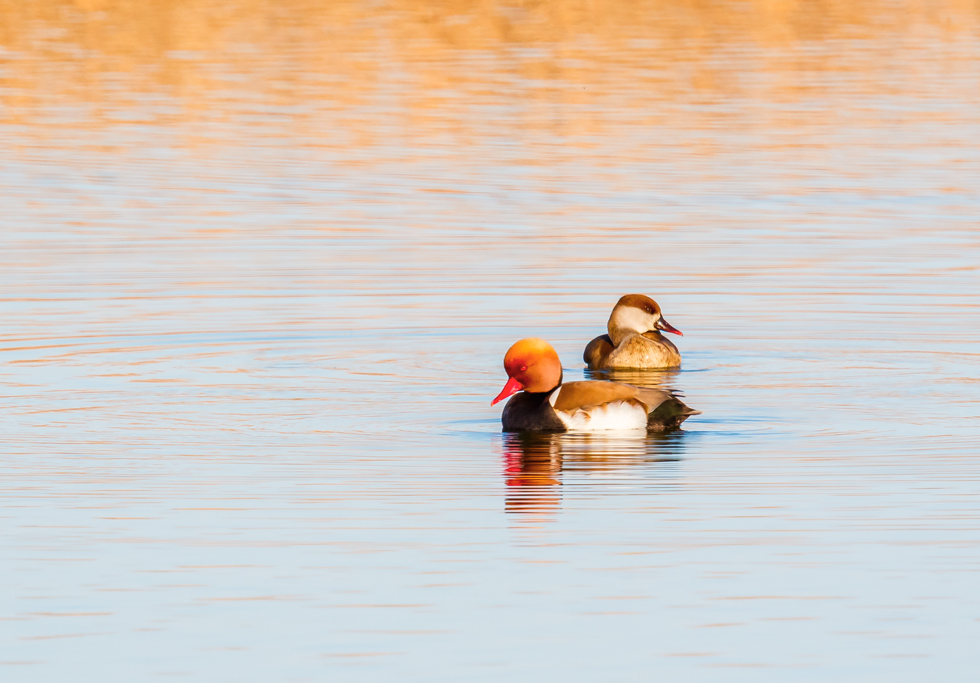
526, 412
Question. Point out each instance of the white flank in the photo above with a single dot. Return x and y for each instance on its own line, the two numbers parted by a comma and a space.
615, 415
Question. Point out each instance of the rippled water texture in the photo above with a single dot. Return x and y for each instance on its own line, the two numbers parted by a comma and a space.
260, 262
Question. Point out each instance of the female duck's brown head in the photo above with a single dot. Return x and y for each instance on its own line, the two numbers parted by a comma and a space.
533, 366
636, 314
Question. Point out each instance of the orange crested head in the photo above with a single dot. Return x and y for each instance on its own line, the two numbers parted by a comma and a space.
532, 365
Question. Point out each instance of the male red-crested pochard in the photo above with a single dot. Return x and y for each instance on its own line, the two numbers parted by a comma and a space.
547, 405
634, 339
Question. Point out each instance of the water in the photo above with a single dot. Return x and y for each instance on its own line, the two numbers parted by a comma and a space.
260, 264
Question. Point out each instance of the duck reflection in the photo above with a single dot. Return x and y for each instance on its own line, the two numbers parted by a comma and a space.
532, 471
659, 378
536, 463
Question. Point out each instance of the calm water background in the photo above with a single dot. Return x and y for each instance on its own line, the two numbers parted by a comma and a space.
259, 264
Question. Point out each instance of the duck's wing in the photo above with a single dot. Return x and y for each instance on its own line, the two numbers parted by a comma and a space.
664, 409
599, 406
597, 352
578, 395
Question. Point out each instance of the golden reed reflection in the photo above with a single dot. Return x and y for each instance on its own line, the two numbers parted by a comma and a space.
338, 55
534, 464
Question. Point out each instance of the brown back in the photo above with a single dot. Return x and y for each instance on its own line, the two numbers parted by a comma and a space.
578, 395
597, 351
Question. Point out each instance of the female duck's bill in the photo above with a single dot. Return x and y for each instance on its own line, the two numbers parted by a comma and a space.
634, 339
543, 404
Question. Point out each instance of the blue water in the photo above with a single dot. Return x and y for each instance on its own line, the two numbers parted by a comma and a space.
255, 300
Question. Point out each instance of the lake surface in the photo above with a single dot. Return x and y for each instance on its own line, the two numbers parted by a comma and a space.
259, 265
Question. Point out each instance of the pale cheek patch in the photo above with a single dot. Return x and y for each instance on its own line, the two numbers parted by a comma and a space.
630, 318
616, 415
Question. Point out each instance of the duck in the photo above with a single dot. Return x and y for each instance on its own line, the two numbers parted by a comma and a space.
634, 339
539, 402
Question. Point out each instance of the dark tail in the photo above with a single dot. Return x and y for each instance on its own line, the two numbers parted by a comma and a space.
669, 415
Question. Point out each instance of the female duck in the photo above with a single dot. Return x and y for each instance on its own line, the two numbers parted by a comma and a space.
634, 339
547, 405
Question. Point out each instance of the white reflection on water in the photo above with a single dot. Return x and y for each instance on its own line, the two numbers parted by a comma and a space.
259, 269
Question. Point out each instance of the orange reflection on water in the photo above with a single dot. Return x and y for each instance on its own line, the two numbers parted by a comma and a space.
532, 472
535, 464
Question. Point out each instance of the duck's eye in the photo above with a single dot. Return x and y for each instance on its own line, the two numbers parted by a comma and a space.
523, 368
